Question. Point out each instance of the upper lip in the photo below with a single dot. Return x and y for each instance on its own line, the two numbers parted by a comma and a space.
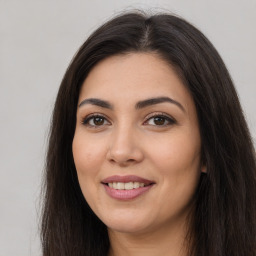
127, 178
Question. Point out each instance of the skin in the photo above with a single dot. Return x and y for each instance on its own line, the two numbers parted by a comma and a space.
128, 141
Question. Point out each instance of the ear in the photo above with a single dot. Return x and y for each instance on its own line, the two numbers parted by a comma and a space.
203, 169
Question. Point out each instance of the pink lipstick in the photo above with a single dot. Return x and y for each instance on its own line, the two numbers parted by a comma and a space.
126, 187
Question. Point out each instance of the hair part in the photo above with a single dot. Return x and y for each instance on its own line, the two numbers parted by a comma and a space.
224, 217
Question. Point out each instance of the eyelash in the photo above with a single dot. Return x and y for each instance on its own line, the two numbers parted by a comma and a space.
167, 118
88, 118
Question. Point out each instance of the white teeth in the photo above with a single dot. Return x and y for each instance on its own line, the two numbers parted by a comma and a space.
120, 185
136, 184
126, 186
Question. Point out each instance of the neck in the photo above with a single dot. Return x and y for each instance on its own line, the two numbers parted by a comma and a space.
164, 241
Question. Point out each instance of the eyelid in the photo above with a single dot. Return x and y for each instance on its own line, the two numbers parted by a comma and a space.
88, 117
161, 114
169, 118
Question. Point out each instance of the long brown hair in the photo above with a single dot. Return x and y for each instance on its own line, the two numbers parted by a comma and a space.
224, 220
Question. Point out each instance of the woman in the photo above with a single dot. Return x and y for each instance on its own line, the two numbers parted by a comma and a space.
149, 152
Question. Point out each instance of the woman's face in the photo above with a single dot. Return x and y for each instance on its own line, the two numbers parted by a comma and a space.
137, 143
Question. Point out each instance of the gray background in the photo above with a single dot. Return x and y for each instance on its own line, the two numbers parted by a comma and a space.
37, 41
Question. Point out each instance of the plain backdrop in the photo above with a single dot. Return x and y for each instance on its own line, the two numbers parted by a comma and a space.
37, 42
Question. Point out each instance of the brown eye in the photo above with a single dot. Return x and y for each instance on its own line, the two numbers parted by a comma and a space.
95, 121
98, 120
160, 120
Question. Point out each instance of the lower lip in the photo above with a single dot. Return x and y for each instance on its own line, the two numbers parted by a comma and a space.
122, 194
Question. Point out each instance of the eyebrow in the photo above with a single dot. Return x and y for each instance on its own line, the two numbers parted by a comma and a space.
96, 102
158, 100
139, 105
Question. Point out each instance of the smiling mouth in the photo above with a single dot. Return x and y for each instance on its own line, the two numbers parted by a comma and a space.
126, 187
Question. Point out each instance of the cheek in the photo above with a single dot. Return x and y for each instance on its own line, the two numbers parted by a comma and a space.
88, 157
177, 152
177, 161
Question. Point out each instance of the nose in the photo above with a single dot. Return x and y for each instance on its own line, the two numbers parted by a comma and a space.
125, 147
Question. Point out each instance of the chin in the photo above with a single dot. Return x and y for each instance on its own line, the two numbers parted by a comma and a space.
126, 224
127, 227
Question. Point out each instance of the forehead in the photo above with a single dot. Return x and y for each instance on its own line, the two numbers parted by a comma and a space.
133, 77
